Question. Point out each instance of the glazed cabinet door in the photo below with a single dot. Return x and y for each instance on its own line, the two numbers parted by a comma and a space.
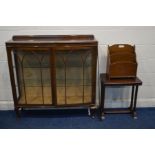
75, 76
32, 68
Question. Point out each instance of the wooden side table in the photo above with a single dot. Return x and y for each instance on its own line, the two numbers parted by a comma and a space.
106, 82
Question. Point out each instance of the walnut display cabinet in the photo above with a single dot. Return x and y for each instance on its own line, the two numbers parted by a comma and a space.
53, 71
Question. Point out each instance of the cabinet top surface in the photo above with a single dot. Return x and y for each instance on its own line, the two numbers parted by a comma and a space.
51, 39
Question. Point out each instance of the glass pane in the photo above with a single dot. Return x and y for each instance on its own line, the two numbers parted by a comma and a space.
74, 94
61, 95
34, 77
87, 94
73, 76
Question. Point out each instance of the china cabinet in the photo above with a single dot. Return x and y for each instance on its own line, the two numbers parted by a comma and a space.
52, 71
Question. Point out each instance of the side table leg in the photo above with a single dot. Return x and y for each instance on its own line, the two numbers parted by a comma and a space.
132, 98
135, 103
102, 115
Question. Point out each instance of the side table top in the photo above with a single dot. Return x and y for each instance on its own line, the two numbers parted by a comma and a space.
110, 82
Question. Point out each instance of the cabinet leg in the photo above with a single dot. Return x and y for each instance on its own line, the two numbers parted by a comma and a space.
90, 113
18, 114
21, 109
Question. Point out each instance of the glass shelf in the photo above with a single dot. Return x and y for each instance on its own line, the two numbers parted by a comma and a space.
37, 67
45, 85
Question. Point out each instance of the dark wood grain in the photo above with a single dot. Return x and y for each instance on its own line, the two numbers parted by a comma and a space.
127, 81
52, 40
121, 61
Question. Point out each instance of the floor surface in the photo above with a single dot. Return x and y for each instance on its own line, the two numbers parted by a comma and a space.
76, 119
